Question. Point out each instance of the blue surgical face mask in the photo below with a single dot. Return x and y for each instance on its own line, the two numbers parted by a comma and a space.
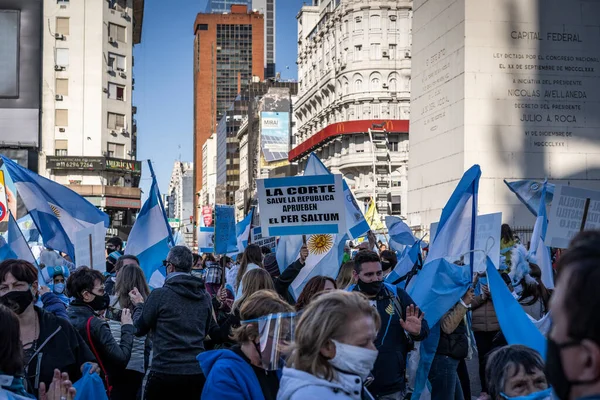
59, 288
542, 395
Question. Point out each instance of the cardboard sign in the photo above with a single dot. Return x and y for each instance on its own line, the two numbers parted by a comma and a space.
302, 205
90, 247
224, 237
573, 210
260, 240
487, 238
206, 239
3, 199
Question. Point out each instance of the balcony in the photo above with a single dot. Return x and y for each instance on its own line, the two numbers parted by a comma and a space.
106, 191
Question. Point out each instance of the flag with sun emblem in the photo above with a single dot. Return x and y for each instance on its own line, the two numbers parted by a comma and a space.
58, 212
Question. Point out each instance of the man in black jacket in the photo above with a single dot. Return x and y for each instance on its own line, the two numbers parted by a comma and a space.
180, 317
87, 287
401, 324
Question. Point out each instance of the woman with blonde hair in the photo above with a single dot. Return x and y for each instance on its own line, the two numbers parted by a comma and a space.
334, 351
253, 281
251, 259
241, 372
345, 277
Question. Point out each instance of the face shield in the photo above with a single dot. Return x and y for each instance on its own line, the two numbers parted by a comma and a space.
276, 334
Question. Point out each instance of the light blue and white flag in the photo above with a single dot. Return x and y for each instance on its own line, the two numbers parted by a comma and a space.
356, 224
441, 282
58, 212
14, 246
225, 238
407, 260
150, 238
242, 231
206, 239
516, 326
400, 234
530, 193
538, 249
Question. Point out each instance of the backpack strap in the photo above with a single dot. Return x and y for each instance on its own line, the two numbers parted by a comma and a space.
91, 342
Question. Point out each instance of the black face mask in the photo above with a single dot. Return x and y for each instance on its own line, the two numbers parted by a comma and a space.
17, 300
386, 265
556, 373
371, 288
100, 302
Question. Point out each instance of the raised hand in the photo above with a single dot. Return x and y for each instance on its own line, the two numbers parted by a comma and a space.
60, 388
303, 254
135, 296
412, 322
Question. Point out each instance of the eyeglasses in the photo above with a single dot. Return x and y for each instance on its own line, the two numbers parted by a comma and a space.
167, 263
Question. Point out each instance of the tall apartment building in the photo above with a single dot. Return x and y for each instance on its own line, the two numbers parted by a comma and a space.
228, 55
354, 70
180, 209
88, 130
21, 27
209, 172
266, 8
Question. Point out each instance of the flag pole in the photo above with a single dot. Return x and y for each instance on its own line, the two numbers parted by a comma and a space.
162, 206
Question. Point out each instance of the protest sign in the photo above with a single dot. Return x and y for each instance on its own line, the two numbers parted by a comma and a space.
302, 205
573, 210
90, 247
225, 239
263, 241
206, 237
487, 239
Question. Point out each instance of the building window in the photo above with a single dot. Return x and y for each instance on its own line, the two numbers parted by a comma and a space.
116, 61
396, 205
62, 87
116, 92
357, 53
62, 1
202, 27
61, 147
393, 146
358, 24
62, 25
116, 121
61, 117
359, 143
375, 22
117, 32
392, 51
62, 57
358, 85
116, 150
375, 51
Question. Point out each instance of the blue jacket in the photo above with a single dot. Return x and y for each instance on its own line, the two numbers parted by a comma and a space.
228, 377
53, 304
392, 341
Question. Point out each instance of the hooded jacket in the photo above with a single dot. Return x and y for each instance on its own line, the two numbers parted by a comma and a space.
228, 376
300, 385
179, 314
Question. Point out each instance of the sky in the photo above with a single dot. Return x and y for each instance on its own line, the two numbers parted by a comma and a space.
164, 83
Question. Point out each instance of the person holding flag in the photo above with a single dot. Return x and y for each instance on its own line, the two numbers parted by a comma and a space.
401, 324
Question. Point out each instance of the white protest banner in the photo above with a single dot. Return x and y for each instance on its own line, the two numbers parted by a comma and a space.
302, 205
573, 210
90, 247
263, 241
487, 234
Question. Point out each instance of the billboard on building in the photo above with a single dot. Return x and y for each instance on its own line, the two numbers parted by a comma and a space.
275, 135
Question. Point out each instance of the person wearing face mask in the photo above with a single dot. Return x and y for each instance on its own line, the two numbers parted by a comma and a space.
240, 372
53, 295
573, 354
516, 373
333, 351
90, 301
402, 323
48, 342
389, 259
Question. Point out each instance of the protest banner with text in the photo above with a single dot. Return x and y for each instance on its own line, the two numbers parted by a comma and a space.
301, 205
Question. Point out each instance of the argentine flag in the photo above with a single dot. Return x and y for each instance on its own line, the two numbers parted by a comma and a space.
242, 231
400, 234
150, 238
14, 246
356, 223
326, 251
58, 212
538, 249
530, 193
441, 282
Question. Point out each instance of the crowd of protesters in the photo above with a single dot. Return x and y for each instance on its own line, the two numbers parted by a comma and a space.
219, 329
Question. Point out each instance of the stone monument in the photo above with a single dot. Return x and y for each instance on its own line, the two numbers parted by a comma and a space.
512, 85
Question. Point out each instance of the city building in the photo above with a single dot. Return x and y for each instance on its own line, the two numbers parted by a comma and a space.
180, 207
209, 172
264, 143
228, 55
266, 8
20, 80
88, 130
228, 150
354, 71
